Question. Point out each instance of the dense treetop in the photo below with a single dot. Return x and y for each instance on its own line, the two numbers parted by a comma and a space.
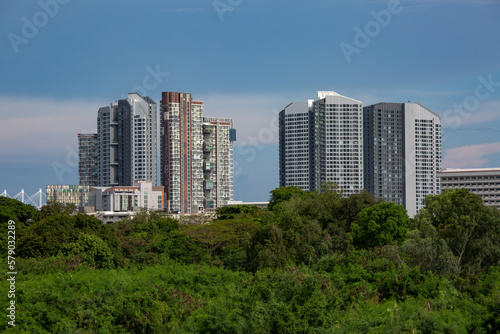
314, 262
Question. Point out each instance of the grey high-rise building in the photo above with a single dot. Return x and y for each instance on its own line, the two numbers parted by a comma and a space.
88, 159
402, 143
322, 141
295, 145
127, 131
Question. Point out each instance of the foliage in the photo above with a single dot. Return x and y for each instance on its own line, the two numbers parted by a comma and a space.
52, 208
346, 292
381, 224
16, 210
50, 265
268, 250
470, 228
283, 194
292, 269
22, 214
92, 249
53, 234
45, 237
222, 236
423, 248
232, 211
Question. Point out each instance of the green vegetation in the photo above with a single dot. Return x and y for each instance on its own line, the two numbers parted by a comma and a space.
315, 262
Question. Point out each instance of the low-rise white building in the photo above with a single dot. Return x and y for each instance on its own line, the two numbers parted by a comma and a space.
68, 194
142, 195
484, 182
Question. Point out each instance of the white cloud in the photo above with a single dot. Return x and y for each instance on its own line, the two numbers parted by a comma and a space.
472, 156
37, 125
485, 112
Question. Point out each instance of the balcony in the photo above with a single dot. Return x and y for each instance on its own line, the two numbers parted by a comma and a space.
208, 129
209, 166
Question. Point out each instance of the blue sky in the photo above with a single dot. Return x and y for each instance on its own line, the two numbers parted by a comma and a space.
246, 59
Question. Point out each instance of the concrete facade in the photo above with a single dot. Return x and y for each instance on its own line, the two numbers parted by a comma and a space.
217, 162
142, 195
127, 131
322, 141
88, 159
196, 156
402, 144
68, 194
484, 182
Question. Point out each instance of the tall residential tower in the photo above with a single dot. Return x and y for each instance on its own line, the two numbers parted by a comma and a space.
88, 159
127, 141
182, 152
218, 138
196, 155
402, 145
322, 141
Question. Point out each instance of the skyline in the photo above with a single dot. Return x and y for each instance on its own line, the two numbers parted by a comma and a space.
245, 60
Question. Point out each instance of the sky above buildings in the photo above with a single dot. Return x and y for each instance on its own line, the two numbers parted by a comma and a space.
246, 59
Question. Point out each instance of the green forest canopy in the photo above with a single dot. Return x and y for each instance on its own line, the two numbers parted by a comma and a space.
314, 262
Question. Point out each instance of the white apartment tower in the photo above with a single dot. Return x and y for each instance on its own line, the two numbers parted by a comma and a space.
322, 141
127, 131
218, 138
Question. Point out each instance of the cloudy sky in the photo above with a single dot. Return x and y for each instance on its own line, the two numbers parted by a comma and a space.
246, 59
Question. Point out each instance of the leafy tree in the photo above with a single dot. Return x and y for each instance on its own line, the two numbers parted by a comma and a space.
283, 194
232, 211
221, 234
424, 249
12, 209
352, 205
92, 249
52, 208
22, 214
470, 228
46, 237
268, 249
381, 224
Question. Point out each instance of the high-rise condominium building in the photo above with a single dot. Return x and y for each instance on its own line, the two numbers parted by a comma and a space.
88, 159
402, 143
322, 141
127, 141
218, 138
196, 156
182, 152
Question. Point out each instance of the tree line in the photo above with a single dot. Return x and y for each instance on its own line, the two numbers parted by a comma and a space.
313, 262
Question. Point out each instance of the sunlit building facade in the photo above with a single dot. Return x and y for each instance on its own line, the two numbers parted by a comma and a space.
322, 141
127, 136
